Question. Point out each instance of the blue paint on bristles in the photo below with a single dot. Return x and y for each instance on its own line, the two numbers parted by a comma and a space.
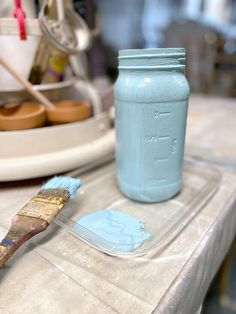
66, 183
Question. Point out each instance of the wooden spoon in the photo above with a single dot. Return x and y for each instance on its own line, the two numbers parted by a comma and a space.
39, 96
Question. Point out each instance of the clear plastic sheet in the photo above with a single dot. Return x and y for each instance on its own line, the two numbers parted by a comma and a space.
161, 220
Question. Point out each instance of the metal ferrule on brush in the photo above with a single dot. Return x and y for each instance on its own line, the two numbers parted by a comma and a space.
46, 204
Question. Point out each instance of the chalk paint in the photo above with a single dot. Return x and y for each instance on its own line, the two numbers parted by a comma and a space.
112, 230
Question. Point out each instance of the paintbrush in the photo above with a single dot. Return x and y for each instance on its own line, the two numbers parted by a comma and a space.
36, 215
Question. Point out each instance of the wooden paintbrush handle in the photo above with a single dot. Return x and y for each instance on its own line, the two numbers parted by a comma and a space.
22, 229
5, 253
34, 218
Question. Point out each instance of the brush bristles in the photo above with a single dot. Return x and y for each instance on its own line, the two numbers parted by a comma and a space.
66, 183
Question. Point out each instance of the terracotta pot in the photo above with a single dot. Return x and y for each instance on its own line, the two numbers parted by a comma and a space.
27, 115
69, 111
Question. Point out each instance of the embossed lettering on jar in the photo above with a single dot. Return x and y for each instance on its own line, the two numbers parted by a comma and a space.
151, 101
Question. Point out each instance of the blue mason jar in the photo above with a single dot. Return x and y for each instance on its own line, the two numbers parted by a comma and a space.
151, 102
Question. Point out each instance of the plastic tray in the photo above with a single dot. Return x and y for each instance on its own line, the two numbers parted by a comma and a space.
162, 220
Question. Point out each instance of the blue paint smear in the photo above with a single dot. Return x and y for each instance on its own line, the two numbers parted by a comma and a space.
112, 230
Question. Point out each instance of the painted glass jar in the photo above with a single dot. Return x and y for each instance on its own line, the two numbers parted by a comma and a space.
151, 101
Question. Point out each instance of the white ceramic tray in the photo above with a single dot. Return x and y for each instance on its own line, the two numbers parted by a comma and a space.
27, 154
53, 150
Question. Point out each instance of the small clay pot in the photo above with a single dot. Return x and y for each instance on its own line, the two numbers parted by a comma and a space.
66, 111
27, 115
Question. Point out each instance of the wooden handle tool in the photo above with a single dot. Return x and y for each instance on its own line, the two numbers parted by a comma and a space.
28, 86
